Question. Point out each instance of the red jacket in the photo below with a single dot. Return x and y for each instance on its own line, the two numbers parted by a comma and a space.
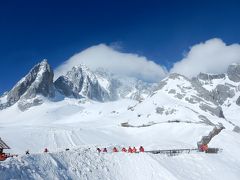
130, 150
124, 149
134, 150
204, 147
115, 149
141, 149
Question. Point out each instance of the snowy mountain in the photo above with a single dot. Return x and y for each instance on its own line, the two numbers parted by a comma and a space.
38, 82
81, 82
78, 83
100, 109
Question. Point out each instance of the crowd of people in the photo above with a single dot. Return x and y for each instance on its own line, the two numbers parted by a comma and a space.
129, 150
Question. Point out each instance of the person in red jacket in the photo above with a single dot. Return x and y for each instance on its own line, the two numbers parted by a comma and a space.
105, 150
115, 149
124, 149
141, 149
204, 147
134, 150
130, 150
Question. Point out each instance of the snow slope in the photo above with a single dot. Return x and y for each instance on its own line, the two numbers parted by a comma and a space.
84, 125
86, 163
69, 123
175, 114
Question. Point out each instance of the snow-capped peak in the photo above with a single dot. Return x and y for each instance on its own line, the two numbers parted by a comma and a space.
39, 81
81, 82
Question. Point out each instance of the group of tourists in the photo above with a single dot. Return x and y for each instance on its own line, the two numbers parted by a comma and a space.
129, 150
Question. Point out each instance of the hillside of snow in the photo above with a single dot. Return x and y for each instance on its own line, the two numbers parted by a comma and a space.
84, 110
86, 163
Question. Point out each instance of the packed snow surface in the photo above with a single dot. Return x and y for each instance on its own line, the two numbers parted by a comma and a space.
84, 126
174, 114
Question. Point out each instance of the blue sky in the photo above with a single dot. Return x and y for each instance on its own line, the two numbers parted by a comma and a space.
159, 30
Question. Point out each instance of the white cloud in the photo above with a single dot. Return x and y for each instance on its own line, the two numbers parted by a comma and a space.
212, 56
102, 56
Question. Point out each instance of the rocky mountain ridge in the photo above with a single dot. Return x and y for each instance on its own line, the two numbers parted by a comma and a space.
210, 91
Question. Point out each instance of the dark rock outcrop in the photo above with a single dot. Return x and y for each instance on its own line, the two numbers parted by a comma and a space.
81, 82
238, 101
205, 76
221, 93
206, 139
233, 72
214, 110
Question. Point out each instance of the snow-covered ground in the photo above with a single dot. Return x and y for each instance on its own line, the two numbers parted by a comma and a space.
86, 163
68, 123
84, 126
175, 113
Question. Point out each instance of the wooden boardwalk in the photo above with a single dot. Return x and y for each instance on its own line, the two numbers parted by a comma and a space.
174, 152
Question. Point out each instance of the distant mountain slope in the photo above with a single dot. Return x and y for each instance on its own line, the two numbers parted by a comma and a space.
87, 109
205, 96
39, 81
81, 82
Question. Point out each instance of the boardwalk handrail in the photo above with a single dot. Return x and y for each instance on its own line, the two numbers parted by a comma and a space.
179, 151
3, 145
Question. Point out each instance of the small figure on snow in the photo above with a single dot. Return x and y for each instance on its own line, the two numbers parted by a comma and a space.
141, 149
204, 147
46, 150
105, 150
124, 149
27, 152
99, 150
130, 150
134, 150
115, 149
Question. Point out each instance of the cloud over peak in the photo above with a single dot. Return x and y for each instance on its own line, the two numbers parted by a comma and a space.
127, 64
212, 56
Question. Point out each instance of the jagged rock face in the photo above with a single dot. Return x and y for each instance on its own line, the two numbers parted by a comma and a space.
221, 93
192, 92
236, 129
81, 82
39, 81
233, 72
206, 139
214, 110
238, 101
204, 76
200, 94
